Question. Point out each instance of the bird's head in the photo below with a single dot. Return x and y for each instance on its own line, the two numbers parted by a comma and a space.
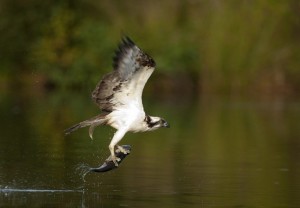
156, 122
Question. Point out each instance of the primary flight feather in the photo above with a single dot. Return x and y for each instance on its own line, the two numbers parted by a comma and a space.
119, 96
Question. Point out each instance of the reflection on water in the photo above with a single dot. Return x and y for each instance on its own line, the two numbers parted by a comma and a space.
217, 153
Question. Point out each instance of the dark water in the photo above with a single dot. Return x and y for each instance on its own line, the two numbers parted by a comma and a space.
217, 153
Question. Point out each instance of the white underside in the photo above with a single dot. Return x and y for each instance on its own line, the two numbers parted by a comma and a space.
126, 119
132, 119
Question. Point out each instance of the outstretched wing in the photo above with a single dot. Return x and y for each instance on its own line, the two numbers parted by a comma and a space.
125, 84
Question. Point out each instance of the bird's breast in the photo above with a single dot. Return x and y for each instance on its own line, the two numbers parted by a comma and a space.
130, 118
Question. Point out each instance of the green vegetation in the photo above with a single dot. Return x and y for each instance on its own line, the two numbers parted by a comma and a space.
218, 46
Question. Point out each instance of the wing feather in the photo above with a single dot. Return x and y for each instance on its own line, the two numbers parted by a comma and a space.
125, 84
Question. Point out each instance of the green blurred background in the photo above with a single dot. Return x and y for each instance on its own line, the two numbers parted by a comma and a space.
227, 80
208, 46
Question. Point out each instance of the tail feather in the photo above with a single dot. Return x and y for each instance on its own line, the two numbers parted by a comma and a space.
93, 122
75, 127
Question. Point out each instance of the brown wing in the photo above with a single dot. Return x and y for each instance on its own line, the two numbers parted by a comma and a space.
132, 69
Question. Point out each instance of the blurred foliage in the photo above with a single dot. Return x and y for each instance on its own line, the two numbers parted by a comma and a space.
224, 46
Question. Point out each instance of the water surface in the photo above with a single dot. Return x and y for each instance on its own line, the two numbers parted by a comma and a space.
217, 153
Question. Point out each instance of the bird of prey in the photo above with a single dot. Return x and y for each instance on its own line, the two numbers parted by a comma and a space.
119, 96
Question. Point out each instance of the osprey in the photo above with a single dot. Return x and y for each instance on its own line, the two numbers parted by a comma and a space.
119, 96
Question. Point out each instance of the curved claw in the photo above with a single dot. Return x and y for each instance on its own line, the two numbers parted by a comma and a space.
123, 150
116, 159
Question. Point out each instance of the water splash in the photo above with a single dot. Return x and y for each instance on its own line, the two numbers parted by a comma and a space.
82, 170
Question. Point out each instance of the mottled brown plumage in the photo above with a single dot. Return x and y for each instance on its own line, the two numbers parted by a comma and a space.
129, 63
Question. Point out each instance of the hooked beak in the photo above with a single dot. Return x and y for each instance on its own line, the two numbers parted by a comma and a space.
167, 125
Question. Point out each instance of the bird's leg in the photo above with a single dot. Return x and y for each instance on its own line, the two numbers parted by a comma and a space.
117, 137
113, 157
123, 150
